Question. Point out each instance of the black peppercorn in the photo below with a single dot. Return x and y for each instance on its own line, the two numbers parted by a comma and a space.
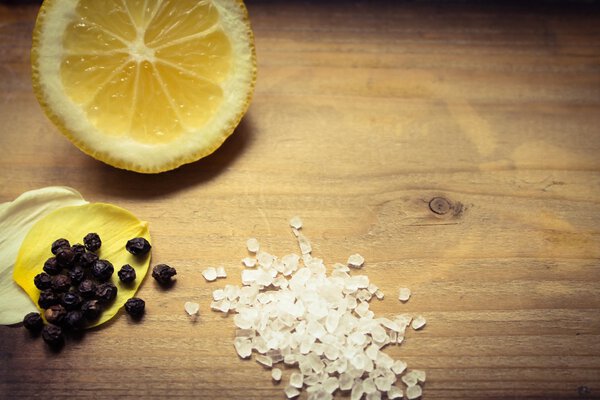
138, 246
73, 320
91, 309
47, 298
163, 273
135, 307
58, 243
53, 335
92, 241
106, 292
51, 266
102, 270
79, 251
61, 283
65, 257
126, 274
33, 322
55, 314
70, 300
76, 274
87, 288
87, 260
42, 281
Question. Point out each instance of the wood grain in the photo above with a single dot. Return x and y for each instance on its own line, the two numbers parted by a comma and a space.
363, 113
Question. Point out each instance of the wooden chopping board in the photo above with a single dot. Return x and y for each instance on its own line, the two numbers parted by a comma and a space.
454, 146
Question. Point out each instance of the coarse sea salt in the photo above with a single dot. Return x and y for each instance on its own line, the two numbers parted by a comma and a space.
291, 311
356, 261
296, 223
404, 294
191, 308
252, 245
210, 274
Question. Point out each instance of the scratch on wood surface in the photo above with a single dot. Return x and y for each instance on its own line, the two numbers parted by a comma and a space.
266, 219
476, 128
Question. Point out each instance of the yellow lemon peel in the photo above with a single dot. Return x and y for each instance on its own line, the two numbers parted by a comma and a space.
113, 224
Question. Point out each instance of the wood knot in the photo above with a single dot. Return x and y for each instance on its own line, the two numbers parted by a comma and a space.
443, 207
439, 205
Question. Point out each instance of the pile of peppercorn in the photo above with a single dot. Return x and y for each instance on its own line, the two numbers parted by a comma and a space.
75, 287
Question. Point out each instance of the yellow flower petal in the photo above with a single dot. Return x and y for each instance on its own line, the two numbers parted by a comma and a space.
16, 219
113, 224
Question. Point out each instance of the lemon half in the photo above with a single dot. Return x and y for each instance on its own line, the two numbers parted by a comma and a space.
144, 85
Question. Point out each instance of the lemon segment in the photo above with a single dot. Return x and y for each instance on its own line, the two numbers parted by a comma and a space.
114, 225
145, 85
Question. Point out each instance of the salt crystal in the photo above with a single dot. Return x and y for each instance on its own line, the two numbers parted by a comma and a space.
379, 294
221, 272
276, 374
372, 288
418, 322
265, 260
331, 384
409, 379
398, 367
357, 391
290, 359
362, 309
296, 223
210, 274
378, 333
341, 267
231, 292
243, 347
356, 261
369, 386
218, 294
391, 325
305, 246
372, 352
345, 381
259, 344
291, 392
296, 380
373, 396
252, 245
403, 319
332, 321
413, 392
312, 380
275, 355
383, 384
249, 262
249, 276
357, 338
419, 374
264, 360
191, 308
363, 295
404, 294
395, 393
224, 306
